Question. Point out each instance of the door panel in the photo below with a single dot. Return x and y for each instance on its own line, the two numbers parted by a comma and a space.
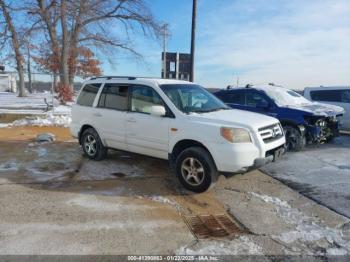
145, 133
110, 115
111, 125
346, 116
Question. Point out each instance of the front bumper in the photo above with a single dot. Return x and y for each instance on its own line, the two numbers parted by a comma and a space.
271, 156
320, 134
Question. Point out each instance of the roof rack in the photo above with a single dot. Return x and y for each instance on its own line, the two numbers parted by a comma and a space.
111, 77
124, 77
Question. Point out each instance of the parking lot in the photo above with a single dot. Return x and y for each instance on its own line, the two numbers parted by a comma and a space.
54, 201
321, 173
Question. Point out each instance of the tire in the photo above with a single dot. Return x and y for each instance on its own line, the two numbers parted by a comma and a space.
92, 145
188, 165
295, 141
331, 138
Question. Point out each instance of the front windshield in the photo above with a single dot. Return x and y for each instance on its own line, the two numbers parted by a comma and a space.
192, 98
286, 97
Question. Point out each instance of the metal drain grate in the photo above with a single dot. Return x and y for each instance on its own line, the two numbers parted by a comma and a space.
206, 226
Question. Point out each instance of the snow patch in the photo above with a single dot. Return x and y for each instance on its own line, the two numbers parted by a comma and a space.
163, 200
307, 230
94, 203
50, 119
9, 166
239, 246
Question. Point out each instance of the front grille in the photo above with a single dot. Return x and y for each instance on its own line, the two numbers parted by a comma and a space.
270, 133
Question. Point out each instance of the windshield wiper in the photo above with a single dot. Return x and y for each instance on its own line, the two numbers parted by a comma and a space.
210, 110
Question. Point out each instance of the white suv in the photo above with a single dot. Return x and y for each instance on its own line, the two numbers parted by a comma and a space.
174, 120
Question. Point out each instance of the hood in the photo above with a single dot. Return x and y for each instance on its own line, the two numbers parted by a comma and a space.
319, 109
236, 117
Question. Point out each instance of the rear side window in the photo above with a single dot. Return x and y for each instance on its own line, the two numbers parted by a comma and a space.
326, 95
114, 96
233, 98
88, 94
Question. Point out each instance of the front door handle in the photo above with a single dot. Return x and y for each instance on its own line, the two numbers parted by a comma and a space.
98, 114
131, 120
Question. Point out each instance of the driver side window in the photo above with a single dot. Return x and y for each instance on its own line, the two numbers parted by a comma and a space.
254, 99
143, 98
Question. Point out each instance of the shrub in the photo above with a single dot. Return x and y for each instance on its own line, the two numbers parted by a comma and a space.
65, 93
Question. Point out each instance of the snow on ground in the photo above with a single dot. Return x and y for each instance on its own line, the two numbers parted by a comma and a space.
321, 173
242, 245
35, 101
50, 119
101, 205
34, 110
307, 229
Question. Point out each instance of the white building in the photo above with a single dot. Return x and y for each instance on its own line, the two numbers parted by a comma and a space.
8, 82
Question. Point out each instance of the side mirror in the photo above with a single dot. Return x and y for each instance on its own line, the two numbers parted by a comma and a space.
158, 111
263, 104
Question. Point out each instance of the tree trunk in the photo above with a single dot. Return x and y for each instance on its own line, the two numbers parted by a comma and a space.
65, 46
16, 48
21, 91
29, 71
71, 82
55, 82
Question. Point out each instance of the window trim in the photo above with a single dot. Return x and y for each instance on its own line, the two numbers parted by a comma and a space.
169, 112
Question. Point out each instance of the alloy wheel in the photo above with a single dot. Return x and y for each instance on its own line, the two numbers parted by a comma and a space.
192, 171
90, 145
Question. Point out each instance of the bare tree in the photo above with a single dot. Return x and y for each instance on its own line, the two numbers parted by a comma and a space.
105, 25
14, 36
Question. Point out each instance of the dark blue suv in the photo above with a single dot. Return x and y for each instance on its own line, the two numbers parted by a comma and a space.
303, 121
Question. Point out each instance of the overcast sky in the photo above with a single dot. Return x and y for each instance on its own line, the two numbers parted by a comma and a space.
295, 43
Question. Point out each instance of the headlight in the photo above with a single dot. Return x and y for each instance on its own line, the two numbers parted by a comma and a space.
321, 123
235, 135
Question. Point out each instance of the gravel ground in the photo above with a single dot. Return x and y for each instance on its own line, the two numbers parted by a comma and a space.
53, 201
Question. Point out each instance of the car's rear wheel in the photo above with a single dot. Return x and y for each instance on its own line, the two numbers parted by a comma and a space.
295, 141
196, 170
92, 145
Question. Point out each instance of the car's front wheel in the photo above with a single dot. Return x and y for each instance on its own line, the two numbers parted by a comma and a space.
92, 145
295, 141
196, 170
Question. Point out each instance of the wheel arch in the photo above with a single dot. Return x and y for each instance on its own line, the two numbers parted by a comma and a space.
184, 144
286, 122
82, 129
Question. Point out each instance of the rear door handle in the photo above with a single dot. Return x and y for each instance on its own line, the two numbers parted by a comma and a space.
131, 120
97, 114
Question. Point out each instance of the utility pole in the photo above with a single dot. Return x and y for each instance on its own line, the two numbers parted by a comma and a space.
165, 35
193, 38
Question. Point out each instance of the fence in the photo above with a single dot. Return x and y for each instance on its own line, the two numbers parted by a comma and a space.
40, 93
37, 83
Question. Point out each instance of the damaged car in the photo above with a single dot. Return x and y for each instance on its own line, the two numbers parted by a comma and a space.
304, 122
